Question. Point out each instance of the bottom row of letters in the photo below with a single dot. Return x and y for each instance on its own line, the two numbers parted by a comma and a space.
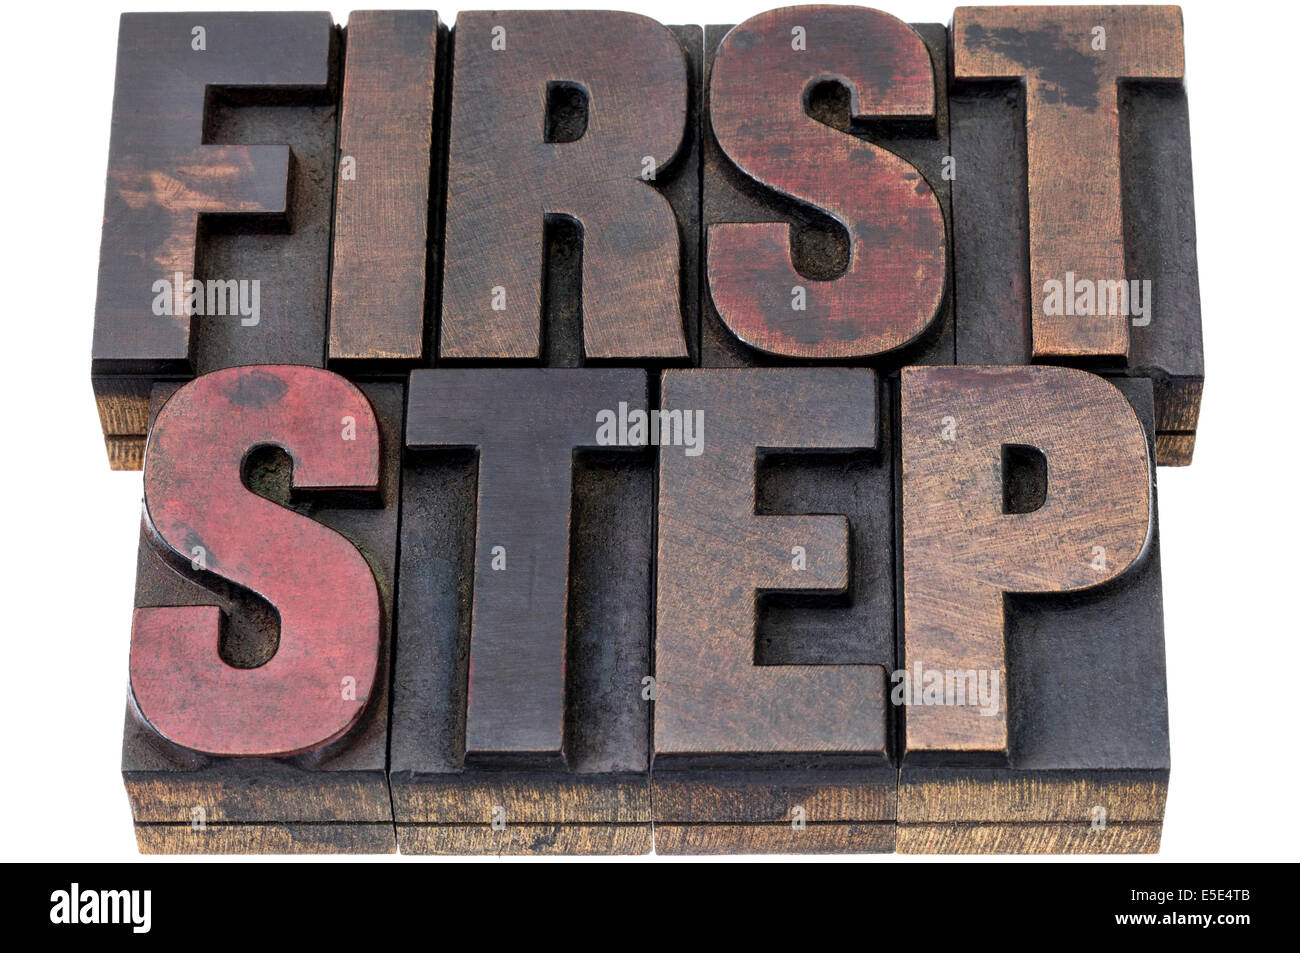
588, 610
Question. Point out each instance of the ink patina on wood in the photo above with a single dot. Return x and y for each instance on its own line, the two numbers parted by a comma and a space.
1107, 154
382, 206
774, 627
521, 715
825, 195
824, 518
571, 158
1033, 638
260, 650
215, 245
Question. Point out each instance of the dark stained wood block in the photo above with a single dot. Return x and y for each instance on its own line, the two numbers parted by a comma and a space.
572, 189
848, 180
382, 203
584, 644
258, 719
1160, 243
1071, 61
524, 616
1076, 757
194, 189
1130, 178
775, 629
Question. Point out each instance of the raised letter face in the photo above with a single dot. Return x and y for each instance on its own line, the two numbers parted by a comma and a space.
969, 538
893, 286
510, 169
381, 199
526, 425
716, 557
317, 684
902, 592
163, 176
1071, 60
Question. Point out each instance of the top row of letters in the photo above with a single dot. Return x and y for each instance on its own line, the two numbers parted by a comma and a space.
818, 184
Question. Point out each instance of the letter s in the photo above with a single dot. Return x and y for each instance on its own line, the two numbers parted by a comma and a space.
894, 284
318, 581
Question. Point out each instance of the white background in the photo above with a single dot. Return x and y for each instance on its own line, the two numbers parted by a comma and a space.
70, 525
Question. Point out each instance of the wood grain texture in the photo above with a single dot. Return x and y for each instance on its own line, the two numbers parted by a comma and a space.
963, 552
993, 292
334, 796
992, 797
568, 815
358, 838
1031, 813
567, 840
1086, 723
123, 406
1175, 449
1142, 837
762, 84
125, 453
723, 838
189, 178
518, 692
748, 811
562, 340
736, 740
247, 812
1072, 142
381, 211
509, 175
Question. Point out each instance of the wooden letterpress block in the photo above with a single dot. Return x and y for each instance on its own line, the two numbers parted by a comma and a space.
572, 219
825, 196
521, 713
258, 719
382, 205
775, 627
1032, 636
1100, 203
202, 217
